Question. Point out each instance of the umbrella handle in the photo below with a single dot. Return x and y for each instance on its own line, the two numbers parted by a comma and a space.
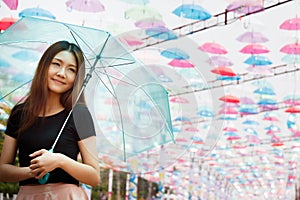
45, 178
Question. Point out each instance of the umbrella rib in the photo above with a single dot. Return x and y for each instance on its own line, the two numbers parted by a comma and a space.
20, 86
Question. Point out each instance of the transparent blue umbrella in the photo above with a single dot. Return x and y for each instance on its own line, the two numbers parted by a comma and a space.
192, 11
175, 53
130, 108
36, 12
258, 60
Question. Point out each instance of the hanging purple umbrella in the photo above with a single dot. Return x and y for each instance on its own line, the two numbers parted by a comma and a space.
245, 6
252, 37
149, 23
220, 61
85, 6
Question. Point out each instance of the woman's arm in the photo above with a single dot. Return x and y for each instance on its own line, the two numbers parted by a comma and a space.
8, 171
87, 172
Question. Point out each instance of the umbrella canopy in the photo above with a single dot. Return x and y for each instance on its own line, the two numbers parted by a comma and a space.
291, 48
290, 24
213, 47
36, 12
86, 6
7, 22
192, 11
252, 37
114, 76
12, 4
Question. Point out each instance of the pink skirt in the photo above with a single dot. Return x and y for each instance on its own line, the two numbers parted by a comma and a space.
54, 191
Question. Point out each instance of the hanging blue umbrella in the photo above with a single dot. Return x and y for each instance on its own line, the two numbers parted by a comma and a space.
4, 63
25, 56
228, 78
205, 112
161, 33
291, 58
251, 131
175, 53
250, 122
265, 91
258, 60
192, 11
267, 101
36, 12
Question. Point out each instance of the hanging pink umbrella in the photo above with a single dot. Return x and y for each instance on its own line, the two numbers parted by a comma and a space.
179, 100
264, 70
213, 47
252, 37
12, 4
181, 63
254, 49
85, 6
291, 24
291, 48
132, 40
230, 111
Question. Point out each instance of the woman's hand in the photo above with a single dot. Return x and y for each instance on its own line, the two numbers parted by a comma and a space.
43, 162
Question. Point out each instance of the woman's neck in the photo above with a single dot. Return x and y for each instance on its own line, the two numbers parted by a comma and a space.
53, 105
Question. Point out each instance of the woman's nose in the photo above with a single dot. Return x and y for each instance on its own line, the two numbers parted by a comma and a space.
61, 72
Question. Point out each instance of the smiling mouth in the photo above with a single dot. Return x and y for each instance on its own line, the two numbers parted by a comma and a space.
57, 81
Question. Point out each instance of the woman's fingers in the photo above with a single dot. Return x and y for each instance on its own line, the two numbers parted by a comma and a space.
38, 153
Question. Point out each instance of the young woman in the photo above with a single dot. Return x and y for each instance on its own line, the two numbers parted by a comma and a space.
34, 125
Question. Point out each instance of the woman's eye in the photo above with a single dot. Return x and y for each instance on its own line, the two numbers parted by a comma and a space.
55, 63
72, 70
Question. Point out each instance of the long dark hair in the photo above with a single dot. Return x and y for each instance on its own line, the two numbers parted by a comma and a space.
37, 97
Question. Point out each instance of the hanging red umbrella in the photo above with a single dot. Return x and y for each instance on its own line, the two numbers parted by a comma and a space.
7, 22
85, 6
291, 24
291, 48
230, 99
223, 71
293, 109
213, 47
254, 49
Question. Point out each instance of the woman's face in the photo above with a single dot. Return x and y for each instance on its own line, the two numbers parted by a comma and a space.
62, 72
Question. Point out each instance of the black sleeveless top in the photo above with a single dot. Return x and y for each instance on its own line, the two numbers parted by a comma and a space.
43, 134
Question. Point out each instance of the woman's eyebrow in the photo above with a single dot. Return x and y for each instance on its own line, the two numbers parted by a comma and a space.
61, 60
